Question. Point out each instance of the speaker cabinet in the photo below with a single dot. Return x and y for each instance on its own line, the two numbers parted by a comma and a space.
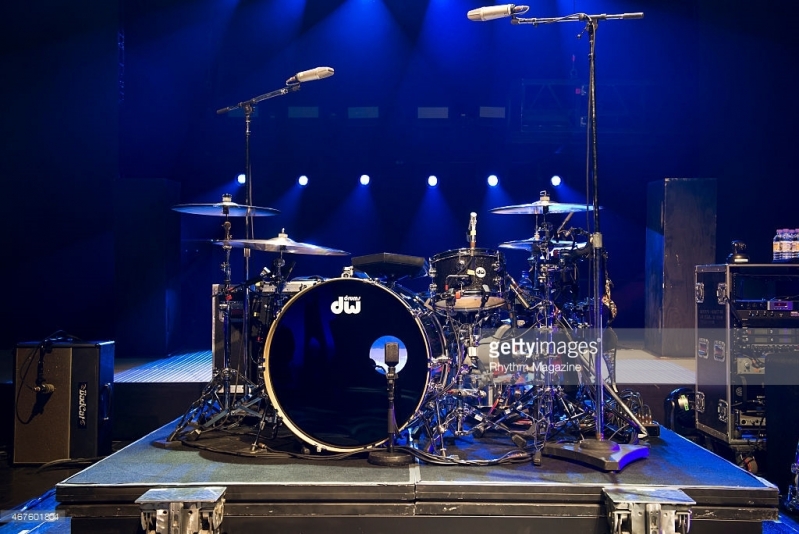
680, 234
62, 394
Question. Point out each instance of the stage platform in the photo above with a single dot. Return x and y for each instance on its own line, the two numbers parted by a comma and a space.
282, 493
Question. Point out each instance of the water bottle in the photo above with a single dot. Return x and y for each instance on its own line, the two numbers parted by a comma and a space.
776, 247
786, 245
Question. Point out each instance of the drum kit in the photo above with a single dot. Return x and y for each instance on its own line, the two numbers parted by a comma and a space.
477, 353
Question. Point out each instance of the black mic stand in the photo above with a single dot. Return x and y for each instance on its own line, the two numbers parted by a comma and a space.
598, 452
390, 457
248, 107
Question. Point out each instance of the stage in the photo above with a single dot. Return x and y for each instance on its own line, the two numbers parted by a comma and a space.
300, 492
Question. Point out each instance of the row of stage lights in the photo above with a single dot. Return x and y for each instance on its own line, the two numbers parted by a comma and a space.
432, 180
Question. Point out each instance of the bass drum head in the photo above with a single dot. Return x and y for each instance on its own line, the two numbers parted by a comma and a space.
324, 363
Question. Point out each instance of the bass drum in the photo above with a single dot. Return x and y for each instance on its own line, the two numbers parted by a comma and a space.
324, 365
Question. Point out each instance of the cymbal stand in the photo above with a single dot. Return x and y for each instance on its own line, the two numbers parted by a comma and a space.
212, 410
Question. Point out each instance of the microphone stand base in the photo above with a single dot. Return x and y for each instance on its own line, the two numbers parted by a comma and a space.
602, 454
389, 458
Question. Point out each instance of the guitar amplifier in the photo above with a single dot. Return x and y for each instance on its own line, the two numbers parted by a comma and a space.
62, 406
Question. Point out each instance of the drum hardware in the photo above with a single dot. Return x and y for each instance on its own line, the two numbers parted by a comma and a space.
211, 409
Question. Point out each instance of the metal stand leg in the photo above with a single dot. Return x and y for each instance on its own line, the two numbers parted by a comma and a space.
391, 457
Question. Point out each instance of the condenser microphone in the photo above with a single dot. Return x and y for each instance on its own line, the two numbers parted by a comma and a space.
483, 14
310, 75
472, 230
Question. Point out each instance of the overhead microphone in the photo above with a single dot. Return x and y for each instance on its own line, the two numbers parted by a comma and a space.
310, 75
483, 14
472, 230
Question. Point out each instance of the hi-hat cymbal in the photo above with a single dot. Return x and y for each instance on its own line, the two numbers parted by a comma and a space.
282, 243
226, 209
535, 243
540, 207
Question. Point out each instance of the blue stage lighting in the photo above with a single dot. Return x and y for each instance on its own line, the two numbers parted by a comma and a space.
432, 180
493, 180
241, 178
555, 180
364, 179
302, 180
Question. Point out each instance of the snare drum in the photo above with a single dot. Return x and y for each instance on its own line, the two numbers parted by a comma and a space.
324, 365
468, 279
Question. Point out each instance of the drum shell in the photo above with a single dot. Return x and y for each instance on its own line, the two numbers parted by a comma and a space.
466, 272
322, 361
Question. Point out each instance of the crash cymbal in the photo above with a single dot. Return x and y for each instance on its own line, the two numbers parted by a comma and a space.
225, 209
282, 243
540, 207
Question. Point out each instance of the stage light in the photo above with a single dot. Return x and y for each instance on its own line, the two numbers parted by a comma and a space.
364, 179
555, 180
493, 181
302, 180
241, 178
432, 180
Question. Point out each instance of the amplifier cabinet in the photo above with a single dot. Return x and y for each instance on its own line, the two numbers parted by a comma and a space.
62, 394
744, 313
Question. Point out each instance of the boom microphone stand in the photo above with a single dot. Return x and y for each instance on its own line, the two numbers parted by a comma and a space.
248, 107
601, 453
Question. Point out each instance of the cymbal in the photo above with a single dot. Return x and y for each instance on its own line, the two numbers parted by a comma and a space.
538, 244
540, 207
225, 208
282, 243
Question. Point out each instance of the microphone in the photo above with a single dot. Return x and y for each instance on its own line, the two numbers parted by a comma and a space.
472, 230
310, 75
563, 225
44, 388
514, 286
483, 14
